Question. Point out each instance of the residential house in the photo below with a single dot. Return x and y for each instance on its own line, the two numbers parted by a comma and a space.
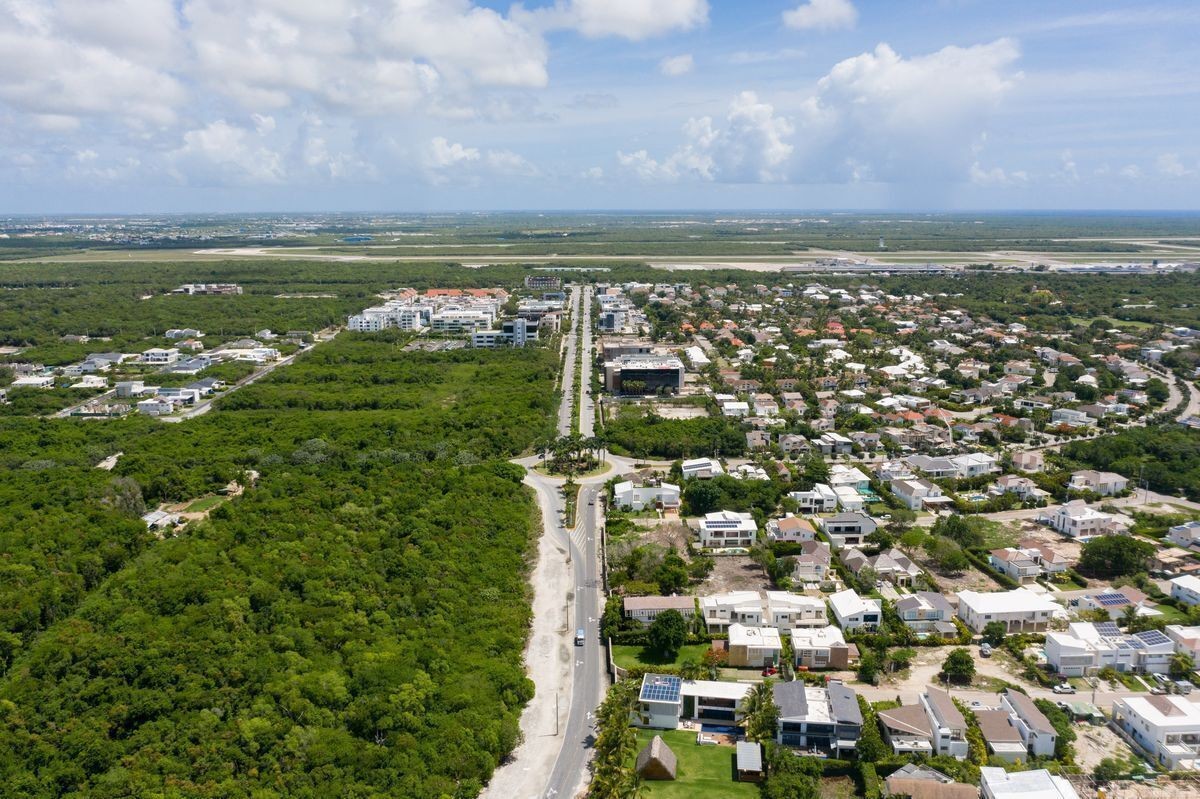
1037, 733
1186, 640
1186, 589
934, 726
853, 612
918, 493
702, 468
758, 440
159, 356
665, 700
1070, 417
727, 528
1023, 487
1021, 610
996, 783
753, 647
1185, 535
1104, 483
791, 529
812, 564
822, 648
927, 611
661, 495
1026, 564
1077, 520
155, 407
645, 609
793, 444
1085, 648
825, 720
913, 781
893, 565
847, 529
1000, 735
819, 499
1166, 727
735, 607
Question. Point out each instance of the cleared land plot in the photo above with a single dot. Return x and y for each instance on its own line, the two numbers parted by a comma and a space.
633, 656
733, 573
702, 772
1093, 744
681, 411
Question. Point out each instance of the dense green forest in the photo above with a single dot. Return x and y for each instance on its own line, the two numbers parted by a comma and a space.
351, 627
1167, 458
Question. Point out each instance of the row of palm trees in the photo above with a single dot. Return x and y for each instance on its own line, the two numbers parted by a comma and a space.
567, 453
615, 775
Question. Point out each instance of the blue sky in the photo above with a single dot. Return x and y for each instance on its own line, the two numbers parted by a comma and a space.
244, 105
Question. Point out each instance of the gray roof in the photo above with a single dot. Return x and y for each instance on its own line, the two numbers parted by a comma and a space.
1028, 711
749, 756
791, 699
843, 702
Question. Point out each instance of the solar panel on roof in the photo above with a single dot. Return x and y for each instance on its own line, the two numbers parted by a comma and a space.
1108, 629
661, 689
1152, 638
1111, 600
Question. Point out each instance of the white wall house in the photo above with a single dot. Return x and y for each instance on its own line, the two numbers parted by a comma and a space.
854, 612
819, 499
727, 528
1077, 520
1167, 727
627, 495
1186, 589
701, 467
1021, 610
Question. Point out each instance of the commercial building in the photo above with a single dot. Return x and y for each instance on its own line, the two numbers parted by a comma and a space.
512, 333
643, 374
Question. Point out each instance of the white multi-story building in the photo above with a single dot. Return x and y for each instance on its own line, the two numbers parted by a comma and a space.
1186, 535
1077, 520
753, 647
1085, 648
645, 609
701, 467
1021, 610
663, 495
1167, 727
1036, 731
727, 528
776, 609
1186, 589
819, 499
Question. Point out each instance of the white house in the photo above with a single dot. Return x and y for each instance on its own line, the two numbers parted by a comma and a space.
1021, 610
159, 355
1085, 648
1077, 520
791, 529
847, 529
741, 607
1186, 589
1185, 535
849, 499
627, 495
33, 381
1036, 731
753, 647
778, 609
665, 700
918, 493
735, 409
821, 648
727, 528
854, 612
701, 467
1167, 727
1186, 640
934, 726
996, 783
1104, 483
155, 406
819, 499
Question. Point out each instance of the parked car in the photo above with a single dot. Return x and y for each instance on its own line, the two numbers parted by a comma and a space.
1064, 688
1158, 690
985, 649
770, 671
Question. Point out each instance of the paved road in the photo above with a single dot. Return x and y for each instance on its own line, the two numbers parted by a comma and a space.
568, 379
587, 408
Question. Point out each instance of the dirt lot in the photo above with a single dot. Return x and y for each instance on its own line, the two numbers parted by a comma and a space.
680, 411
1161, 789
1093, 744
1048, 537
971, 579
733, 573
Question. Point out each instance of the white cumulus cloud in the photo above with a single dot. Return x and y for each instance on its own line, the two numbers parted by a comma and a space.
822, 15
1169, 164
628, 19
676, 65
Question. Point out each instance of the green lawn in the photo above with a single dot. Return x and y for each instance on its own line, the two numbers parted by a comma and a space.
205, 504
995, 534
629, 656
703, 771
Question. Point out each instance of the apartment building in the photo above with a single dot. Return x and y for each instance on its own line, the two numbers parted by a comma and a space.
727, 528
1021, 610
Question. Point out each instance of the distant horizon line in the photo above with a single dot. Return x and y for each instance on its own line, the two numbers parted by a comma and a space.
4, 216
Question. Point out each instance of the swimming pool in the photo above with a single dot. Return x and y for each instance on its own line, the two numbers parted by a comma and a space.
721, 729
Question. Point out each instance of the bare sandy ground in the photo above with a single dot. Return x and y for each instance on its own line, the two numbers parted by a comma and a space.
548, 662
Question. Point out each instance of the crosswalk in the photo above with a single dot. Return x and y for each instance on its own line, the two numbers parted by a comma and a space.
579, 537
